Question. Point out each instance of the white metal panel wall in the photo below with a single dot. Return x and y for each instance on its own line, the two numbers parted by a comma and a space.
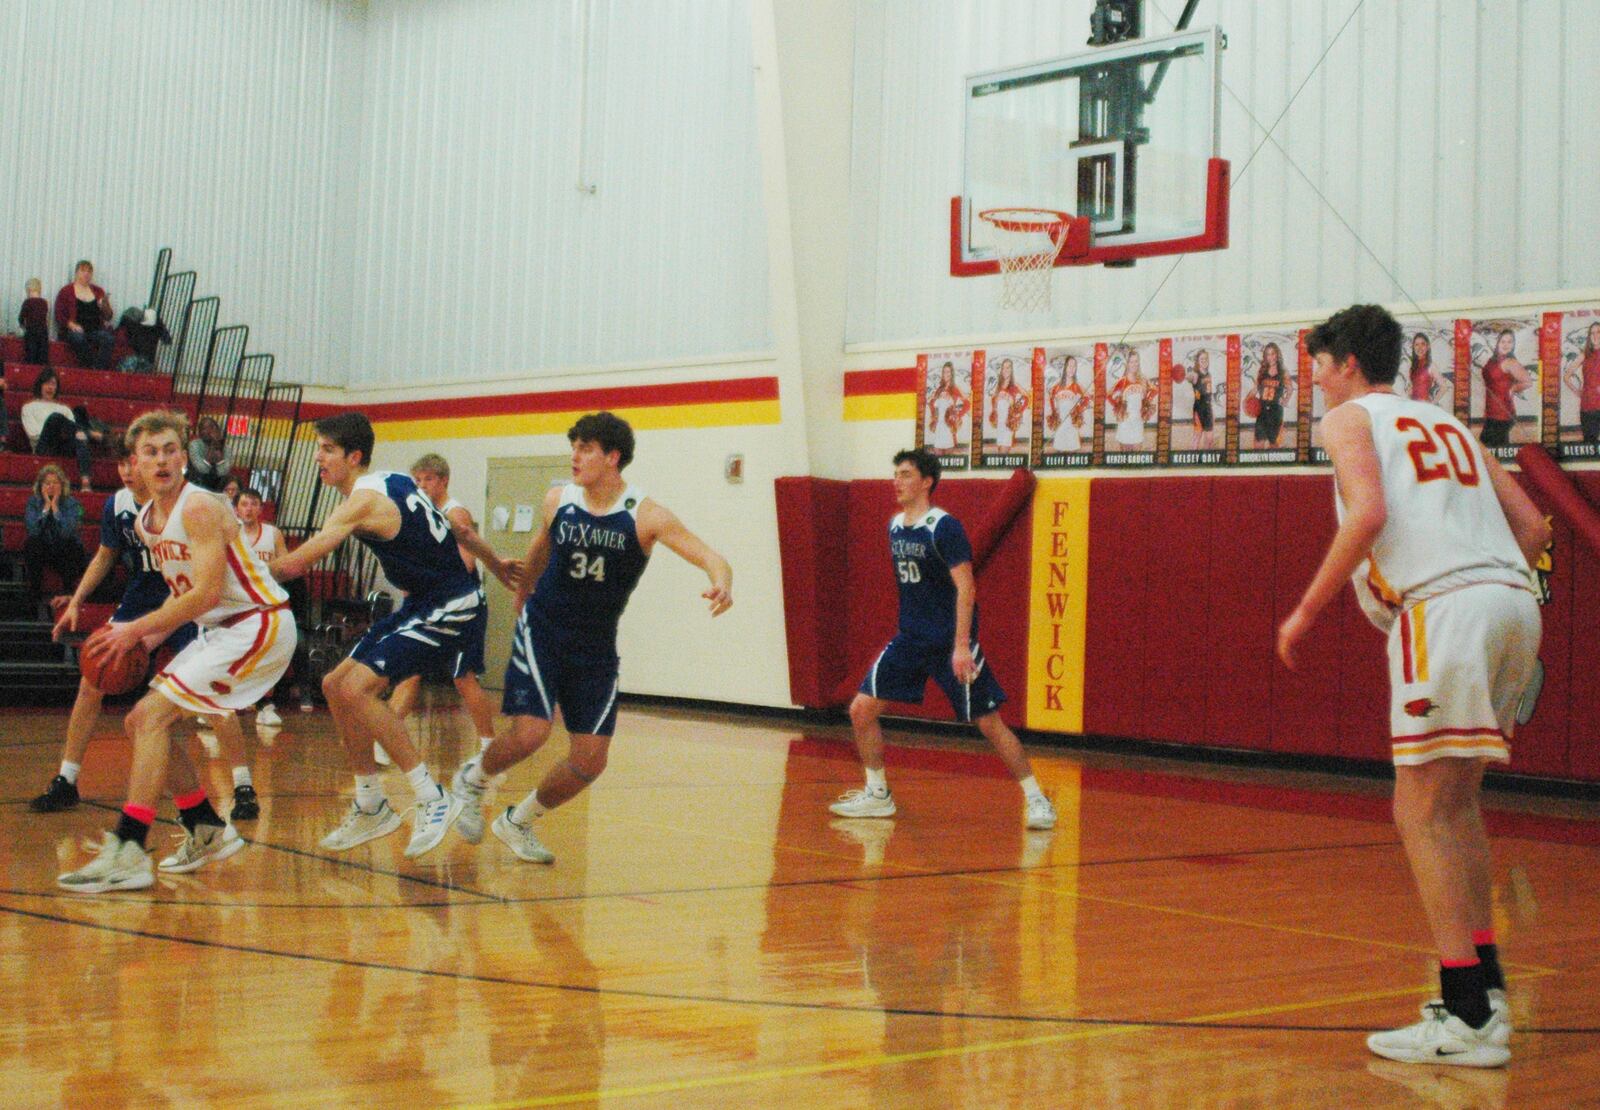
479, 255
1452, 145
222, 130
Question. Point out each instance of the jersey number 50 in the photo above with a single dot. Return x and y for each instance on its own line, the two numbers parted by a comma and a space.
908, 570
1440, 457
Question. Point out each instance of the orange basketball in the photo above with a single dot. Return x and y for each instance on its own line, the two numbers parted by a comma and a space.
1177, 372
1252, 406
112, 673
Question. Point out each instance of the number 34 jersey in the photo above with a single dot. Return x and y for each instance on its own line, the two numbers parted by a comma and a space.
596, 560
1443, 526
924, 550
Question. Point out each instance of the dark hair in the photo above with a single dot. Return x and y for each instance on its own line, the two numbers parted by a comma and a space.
1366, 331
926, 462
607, 429
48, 374
350, 431
250, 491
120, 448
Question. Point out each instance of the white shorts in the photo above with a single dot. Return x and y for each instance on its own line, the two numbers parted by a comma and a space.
1458, 664
230, 666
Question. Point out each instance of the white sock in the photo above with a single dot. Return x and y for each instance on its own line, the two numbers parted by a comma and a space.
422, 782
1030, 788
475, 775
528, 809
69, 771
241, 777
484, 742
369, 795
877, 781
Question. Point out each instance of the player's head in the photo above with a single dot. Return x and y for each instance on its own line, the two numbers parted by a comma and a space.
1504, 343
344, 447
947, 375
1591, 342
1134, 366
1356, 347
1421, 350
1202, 360
1007, 376
159, 442
1271, 358
127, 468
432, 474
602, 444
248, 506
916, 474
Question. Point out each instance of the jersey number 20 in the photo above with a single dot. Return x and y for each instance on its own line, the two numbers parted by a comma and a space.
1439, 453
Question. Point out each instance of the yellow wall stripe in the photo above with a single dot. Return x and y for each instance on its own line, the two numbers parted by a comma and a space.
881, 406
720, 414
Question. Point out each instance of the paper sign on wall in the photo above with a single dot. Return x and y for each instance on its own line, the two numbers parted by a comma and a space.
524, 519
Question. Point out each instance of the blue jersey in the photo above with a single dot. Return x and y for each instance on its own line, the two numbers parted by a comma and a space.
422, 560
146, 590
595, 562
923, 553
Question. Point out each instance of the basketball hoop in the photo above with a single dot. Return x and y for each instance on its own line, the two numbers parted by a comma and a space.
1027, 247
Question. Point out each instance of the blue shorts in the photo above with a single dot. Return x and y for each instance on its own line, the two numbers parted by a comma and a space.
544, 674
129, 610
426, 636
902, 670
468, 657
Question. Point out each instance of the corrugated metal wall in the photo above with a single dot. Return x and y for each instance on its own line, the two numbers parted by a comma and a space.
221, 129
480, 255
1455, 140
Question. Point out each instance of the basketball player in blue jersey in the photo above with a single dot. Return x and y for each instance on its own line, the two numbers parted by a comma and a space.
597, 537
417, 550
938, 639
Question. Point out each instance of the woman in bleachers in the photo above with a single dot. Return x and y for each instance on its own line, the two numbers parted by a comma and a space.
209, 462
55, 429
53, 517
83, 318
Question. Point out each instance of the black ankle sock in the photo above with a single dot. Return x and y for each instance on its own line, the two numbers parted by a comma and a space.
201, 814
1489, 956
1466, 994
131, 828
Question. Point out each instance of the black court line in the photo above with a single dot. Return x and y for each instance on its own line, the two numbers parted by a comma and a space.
669, 996
732, 888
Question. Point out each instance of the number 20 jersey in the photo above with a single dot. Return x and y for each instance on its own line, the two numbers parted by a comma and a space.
595, 562
1443, 526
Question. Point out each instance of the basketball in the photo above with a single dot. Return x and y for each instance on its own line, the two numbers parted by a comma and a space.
1252, 406
1177, 373
111, 674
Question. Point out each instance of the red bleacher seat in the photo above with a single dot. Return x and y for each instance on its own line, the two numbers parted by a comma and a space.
156, 388
60, 354
14, 500
14, 533
22, 468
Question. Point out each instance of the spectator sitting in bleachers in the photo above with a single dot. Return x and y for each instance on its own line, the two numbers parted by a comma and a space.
34, 319
230, 490
55, 429
83, 318
144, 334
209, 463
53, 517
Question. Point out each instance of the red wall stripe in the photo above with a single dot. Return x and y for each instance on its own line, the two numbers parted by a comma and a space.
867, 383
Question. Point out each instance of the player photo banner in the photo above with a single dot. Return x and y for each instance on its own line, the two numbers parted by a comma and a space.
1003, 383
1504, 401
944, 407
1310, 411
1102, 356
1163, 401
1235, 363
1067, 428
1198, 394
1570, 356
1132, 396
1269, 424
1427, 364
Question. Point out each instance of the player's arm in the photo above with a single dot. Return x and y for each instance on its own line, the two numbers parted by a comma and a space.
1528, 524
526, 573
279, 547
207, 528
104, 559
1347, 433
460, 519
358, 511
661, 526
966, 598
474, 548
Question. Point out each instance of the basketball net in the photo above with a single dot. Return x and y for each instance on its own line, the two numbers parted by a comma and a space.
1027, 243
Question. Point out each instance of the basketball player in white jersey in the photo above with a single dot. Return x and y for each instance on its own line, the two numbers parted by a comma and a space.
266, 540
245, 641
1438, 541
432, 474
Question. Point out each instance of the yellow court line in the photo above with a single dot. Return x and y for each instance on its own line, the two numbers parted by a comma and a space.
1216, 919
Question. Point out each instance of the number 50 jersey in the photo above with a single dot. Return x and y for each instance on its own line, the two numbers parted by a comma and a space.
923, 551
595, 562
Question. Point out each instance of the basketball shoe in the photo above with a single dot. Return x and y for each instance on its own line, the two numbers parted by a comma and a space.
359, 826
206, 844
1040, 813
1442, 1038
470, 823
59, 795
521, 839
121, 865
864, 803
433, 820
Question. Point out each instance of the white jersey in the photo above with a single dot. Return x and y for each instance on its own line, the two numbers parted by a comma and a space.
1444, 527
264, 543
246, 584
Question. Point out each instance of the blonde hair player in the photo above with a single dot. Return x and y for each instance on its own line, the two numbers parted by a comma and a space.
245, 640
1437, 540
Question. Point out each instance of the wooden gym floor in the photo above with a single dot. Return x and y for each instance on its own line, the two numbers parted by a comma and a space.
709, 936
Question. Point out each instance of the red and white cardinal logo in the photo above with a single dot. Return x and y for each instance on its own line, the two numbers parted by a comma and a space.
1420, 707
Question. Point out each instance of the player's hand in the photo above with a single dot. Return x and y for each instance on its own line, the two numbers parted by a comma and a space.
121, 638
506, 571
1290, 633
962, 664
67, 622
721, 598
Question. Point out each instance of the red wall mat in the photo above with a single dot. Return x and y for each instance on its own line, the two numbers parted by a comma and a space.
1540, 746
1176, 615
1305, 702
811, 525
1583, 706
1114, 655
1240, 631
1363, 720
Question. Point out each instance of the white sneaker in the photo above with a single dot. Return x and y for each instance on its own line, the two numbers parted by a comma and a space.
121, 865
1499, 1027
1041, 814
521, 839
267, 717
206, 844
470, 823
381, 756
1440, 1038
358, 827
433, 820
864, 803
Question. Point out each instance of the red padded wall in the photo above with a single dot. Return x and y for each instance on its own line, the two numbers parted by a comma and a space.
1583, 707
811, 535
1114, 649
1540, 746
1305, 702
1243, 547
1177, 580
